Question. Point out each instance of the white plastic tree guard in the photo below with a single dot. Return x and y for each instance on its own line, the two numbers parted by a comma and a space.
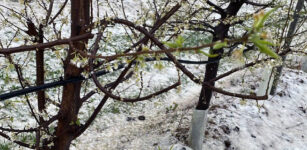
266, 78
199, 122
304, 64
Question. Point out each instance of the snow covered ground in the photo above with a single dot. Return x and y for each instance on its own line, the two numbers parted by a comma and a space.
279, 123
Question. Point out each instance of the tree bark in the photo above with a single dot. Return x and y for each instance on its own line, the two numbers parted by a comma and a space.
40, 70
220, 33
68, 114
40, 79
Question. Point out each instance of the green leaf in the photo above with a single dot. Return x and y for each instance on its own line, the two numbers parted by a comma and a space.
158, 66
145, 48
175, 107
140, 59
264, 49
6, 79
11, 119
176, 44
179, 41
78, 122
207, 54
170, 44
266, 43
10, 66
259, 23
219, 45
171, 148
266, 16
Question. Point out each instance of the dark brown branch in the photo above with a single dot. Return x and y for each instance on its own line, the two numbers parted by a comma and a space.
237, 69
254, 97
49, 11
259, 4
87, 96
58, 13
45, 45
305, 53
170, 50
17, 130
110, 94
40, 71
17, 142
105, 98
91, 93
47, 123
11, 23
43, 125
218, 8
161, 46
21, 79
195, 22
156, 26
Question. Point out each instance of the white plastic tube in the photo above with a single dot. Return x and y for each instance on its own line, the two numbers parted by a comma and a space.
304, 64
197, 131
265, 81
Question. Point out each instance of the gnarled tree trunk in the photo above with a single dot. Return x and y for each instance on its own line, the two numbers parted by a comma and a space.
68, 114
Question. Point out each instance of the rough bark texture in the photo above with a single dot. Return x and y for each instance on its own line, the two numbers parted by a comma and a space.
220, 32
68, 113
40, 79
40, 70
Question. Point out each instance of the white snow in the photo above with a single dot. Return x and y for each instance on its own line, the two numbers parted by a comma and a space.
279, 123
